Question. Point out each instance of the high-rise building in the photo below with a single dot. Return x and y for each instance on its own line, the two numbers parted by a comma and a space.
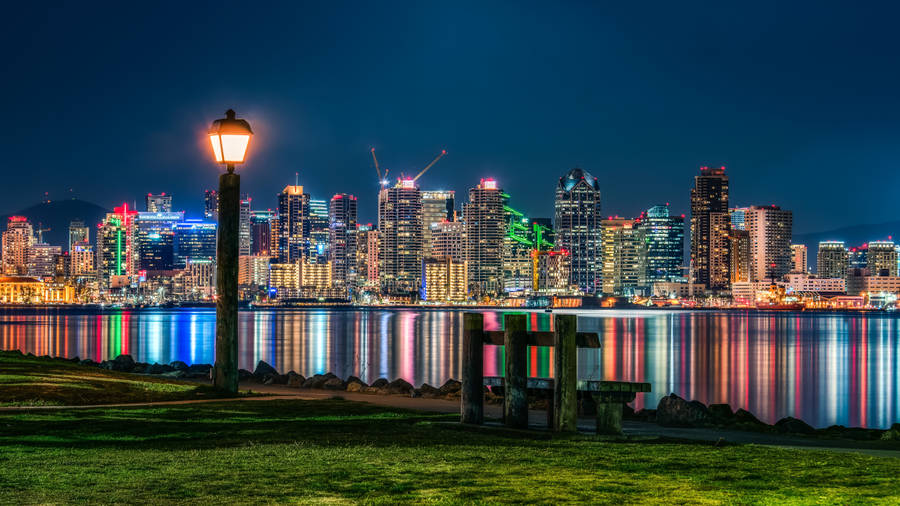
156, 240
857, 258
663, 236
881, 259
78, 232
448, 239
770, 242
211, 205
194, 240
551, 271
437, 206
117, 247
253, 270
485, 229
342, 230
518, 244
293, 223
284, 280
17, 241
799, 255
261, 226
740, 256
315, 278
42, 260
738, 218
832, 260
443, 280
624, 257
319, 234
82, 260
366, 257
710, 229
161, 203
400, 239
578, 228
245, 239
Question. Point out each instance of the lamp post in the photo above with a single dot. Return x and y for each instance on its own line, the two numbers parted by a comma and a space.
229, 138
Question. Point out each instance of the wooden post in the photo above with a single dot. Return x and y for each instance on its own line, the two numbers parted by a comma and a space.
565, 396
515, 398
225, 375
472, 406
609, 415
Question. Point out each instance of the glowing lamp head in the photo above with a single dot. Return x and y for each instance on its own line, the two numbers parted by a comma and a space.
230, 138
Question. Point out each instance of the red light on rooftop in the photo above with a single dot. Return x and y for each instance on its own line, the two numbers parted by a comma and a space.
18, 218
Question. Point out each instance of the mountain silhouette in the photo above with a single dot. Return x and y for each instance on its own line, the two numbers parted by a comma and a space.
56, 216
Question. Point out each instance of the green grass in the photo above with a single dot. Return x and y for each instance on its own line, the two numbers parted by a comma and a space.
31, 381
335, 451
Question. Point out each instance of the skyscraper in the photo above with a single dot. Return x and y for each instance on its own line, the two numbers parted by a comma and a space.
881, 259
770, 229
244, 239
663, 236
485, 228
578, 228
624, 257
161, 203
799, 256
293, 223
448, 239
261, 232
400, 239
317, 243
18, 239
832, 259
117, 249
42, 261
342, 230
78, 232
366, 257
155, 237
194, 240
710, 229
211, 205
437, 206
740, 255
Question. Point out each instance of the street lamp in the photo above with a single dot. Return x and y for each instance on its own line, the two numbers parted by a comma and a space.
229, 138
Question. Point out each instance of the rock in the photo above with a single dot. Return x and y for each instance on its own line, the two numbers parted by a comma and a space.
429, 392
334, 384
88, 362
742, 416
262, 369
892, 434
140, 367
379, 383
199, 368
244, 375
159, 368
673, 411
75, 359
647, 415
792, 425
174, 374
354, 379
415, 393
355, 387
721, 413
450, 386
317, 381
372, 390
106, 364
399, 386
294, 380
178, 365
268, 378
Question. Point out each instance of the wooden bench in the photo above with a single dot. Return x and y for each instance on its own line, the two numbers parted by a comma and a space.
609, 396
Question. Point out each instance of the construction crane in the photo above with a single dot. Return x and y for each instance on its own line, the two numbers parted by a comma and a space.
382, 179
438, 157
40, 233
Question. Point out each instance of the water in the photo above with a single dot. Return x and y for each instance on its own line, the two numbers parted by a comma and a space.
823, 368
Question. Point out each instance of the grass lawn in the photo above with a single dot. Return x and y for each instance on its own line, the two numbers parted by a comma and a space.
30, 381
338, 451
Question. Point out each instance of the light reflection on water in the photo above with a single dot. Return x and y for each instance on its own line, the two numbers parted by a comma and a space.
823, 368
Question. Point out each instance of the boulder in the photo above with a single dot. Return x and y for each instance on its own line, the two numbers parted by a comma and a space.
355, 386
244, 375
317, 381
262, 369
354, 379
199, 368
673, 411
178, 365
892, 434
334, 384
429, 392
140, 367
159, 368
721, 413
379, 383
372, 390
451, 386
88, 362
399, 387
294, 380
744, 416
792, 425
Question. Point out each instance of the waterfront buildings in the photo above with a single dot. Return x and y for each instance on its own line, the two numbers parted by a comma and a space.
663, 237
342, 230
739, 240
211, 205
578, 229
624, 257
770, 229
81, 262
799, 255
448, 239
317, 238
42, 260
485, 229
551, 272
261, 227
832, 259
194, 240
17, 241
400, 239
161, 203
155, 237
366, 257
437, 206
78, 232
253, 271
443, 280
117, 247
711, 229
244, 237
881, 258
293, 223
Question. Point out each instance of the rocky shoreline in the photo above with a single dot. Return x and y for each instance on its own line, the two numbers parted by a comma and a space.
672, 410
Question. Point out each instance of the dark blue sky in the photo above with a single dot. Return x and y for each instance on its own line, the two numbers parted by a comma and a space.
801, 103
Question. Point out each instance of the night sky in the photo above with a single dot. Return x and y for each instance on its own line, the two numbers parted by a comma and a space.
800, 103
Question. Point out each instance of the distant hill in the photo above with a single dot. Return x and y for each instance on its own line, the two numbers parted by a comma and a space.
56, 216
852, 236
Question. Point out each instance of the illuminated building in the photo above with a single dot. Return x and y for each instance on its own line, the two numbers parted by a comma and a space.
832, 260
17, 241
881, 258
366, 256
42, 260
78, 232
801, 282
253, 270
710, 229
740, 255
211, 205
27, 290
738, 217
156, 239
244, 238
857, 258
577, 227
261, 227
799, 256
485, 229
522, 237
194, 240
770, 242
448, 239
663, 236
872, 285
624, 268
293, 223
443, 280
284, 280
551, 272
315, 277
161, 203
437, 206
117, 251
200, 278
400, 240
342, 230
678, 290
319, 235
82, 260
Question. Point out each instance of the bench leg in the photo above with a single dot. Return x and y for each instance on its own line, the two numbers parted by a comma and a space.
609, 417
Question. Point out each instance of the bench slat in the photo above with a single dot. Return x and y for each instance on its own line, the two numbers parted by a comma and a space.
544, 338
583, 385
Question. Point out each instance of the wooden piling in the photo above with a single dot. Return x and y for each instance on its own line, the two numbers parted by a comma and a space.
515, 399
472, 407
225, 372
609, 415
565, 398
